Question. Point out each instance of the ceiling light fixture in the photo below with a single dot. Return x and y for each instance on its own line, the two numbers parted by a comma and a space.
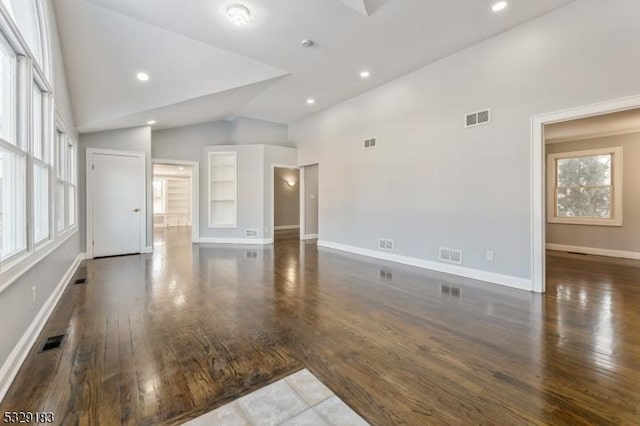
238, 14
501, 5
311, 101
365, 74
151, 122
142, 76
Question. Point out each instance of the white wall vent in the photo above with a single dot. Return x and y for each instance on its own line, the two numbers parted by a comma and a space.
450, 256
370, 143
384, 244
477, 118
251, 233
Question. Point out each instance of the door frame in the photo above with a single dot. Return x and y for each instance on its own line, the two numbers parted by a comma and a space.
538, 174
89, 194
273, 197
195, 192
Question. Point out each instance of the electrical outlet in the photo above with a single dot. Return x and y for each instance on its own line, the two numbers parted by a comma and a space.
490, 255
34, 296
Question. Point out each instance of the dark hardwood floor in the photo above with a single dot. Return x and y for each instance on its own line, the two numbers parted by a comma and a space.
162, 338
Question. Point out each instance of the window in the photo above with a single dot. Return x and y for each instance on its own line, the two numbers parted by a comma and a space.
585, 187
65, 186
13, 160
27, 16
41, 166
158, 196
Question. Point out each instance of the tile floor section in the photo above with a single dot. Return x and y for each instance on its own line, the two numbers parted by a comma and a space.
299, 399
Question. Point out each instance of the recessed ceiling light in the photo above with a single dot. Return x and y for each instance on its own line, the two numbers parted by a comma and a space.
365, 74
143, 76
238, 14
151, 122
501, 5
311, 101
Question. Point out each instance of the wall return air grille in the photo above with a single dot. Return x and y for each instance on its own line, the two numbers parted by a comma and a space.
478, 118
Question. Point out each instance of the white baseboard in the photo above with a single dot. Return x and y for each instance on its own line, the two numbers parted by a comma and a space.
147, 249
309, 237
595, 251
285, 227
476, 274
14, 361
248, 241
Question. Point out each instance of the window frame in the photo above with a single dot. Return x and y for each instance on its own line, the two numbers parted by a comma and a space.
30, 73
616, 216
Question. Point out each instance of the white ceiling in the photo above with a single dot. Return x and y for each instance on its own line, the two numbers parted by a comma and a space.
204, 68
618, 123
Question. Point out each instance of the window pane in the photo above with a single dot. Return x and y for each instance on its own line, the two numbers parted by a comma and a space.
71, 207
38, 150
13, 223
584, 202
158, 196
25, 14
585, 171
72, 163
61, 153
60, 205
40, 202
8, 83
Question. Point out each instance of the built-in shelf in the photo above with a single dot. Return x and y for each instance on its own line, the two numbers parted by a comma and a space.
223, 189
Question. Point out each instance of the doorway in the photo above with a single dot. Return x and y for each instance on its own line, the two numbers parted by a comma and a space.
541, 206
175, 203
116, 203
309, 202
286, 203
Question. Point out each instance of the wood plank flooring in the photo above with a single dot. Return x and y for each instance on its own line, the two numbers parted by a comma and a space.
163, 338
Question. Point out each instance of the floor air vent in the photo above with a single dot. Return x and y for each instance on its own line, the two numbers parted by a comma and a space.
52, 343
80, 281
450, 256
251, 233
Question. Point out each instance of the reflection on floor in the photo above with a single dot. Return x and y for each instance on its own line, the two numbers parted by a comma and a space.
287, 234
172, 236
168, 337
299, 399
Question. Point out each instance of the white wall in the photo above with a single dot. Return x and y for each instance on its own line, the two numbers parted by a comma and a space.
186, 143
15, 301
432, 183
251, 131
625, 237
137, 139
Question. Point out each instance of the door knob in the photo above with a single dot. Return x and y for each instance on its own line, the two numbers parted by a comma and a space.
136, 210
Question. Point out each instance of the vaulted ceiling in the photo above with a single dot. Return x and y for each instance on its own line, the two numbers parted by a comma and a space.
204, 68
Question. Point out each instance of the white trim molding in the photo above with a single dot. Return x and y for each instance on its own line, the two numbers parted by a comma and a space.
595, 251
244, 241
309, 237
538, 170
147, 250
14, 361
476, 274
285, 227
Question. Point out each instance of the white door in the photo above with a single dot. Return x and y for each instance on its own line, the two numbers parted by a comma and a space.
117, 204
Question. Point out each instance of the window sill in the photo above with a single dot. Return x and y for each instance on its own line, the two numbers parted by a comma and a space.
15, 269
585, 221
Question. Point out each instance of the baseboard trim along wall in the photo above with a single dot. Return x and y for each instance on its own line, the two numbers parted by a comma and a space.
595, 251
476, 274
285, 227
247, 241
13, 363
147, 249
309, 237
